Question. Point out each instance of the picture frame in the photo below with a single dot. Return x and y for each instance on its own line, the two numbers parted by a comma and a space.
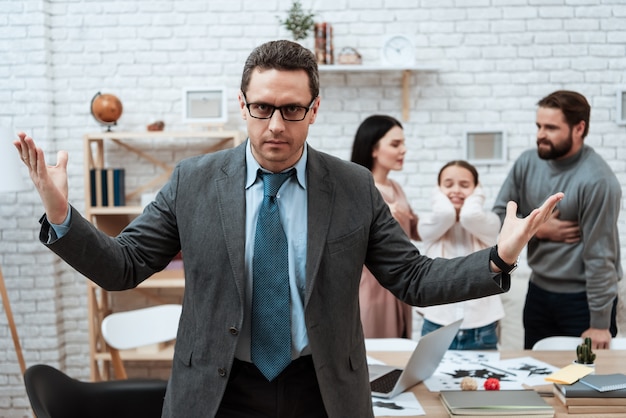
620, 117
485, 147
205, 105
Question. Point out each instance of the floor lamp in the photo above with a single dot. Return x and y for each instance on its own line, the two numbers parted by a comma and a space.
10, 181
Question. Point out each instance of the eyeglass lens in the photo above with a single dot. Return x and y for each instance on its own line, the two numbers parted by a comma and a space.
288, 112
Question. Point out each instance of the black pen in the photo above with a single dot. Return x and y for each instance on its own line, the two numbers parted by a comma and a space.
390, 405
495, 368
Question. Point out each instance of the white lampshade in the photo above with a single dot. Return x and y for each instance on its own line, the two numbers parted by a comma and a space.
11, 168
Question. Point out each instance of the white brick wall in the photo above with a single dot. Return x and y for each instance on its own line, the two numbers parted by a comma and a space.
495, 58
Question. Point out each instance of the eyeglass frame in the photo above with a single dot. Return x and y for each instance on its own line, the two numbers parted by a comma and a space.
280, 109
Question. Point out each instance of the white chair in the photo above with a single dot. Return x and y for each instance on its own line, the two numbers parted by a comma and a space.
618, 343
570, 343
139, 328
559, 343
389, 344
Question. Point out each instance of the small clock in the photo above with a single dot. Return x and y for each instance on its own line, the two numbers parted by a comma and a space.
397, 50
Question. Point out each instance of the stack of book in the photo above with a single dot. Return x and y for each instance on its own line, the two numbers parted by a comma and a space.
107, 187
496, 403
594, 394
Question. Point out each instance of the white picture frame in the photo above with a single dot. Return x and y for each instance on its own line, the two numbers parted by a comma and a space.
620, 116
204, 105
484, 147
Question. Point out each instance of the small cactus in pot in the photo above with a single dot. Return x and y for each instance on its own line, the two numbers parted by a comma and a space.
584, 353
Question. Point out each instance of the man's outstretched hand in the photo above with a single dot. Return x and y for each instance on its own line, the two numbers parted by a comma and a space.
516, 232
50, 181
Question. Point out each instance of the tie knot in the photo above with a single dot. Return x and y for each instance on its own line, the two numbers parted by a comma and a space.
272, 182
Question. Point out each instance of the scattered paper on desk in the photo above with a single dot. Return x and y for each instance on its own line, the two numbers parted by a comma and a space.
569, 374
513, 373
403, 405
529, 370
470, 356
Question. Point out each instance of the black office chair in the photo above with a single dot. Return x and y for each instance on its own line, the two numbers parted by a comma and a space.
53, 394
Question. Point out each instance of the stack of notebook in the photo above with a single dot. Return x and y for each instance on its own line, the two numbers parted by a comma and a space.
594, 394
496, 403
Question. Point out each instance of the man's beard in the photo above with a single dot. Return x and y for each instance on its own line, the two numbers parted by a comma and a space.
554, 152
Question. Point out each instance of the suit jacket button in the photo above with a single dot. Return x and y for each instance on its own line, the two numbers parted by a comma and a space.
222, 372
233, 331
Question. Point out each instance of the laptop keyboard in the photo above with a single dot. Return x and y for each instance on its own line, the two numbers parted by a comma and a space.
386, 382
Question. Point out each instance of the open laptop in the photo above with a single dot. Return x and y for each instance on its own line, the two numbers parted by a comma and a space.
388, 381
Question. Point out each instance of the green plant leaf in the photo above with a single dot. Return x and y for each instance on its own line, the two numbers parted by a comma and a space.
298, 22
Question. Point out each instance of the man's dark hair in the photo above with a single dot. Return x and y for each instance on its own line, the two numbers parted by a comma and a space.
573, 105
282, 55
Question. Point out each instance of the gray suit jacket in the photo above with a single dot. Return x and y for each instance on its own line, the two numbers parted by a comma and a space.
201, 211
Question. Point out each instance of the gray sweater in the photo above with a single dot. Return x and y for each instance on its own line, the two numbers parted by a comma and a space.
593, 199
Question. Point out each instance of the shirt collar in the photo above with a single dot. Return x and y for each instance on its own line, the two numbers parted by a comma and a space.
252, 167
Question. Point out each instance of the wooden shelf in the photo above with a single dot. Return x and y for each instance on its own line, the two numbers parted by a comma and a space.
112, 219
166, 279
406, 77
216, 133
116, 210
165, 354
377, 68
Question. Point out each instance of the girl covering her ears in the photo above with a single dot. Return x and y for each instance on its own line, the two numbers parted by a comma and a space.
458, 226
379, 146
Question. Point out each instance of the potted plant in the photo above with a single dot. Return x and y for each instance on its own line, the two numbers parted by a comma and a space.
584, 353
298, 21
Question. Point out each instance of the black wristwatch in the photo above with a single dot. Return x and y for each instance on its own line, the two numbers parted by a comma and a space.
502, 265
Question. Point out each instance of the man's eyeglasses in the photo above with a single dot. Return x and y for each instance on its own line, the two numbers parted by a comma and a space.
291, 113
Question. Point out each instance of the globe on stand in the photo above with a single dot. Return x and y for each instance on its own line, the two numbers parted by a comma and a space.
106, 109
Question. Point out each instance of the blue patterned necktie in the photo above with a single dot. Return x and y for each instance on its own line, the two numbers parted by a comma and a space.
271, 304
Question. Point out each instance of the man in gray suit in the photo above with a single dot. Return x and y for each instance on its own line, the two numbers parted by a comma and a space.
335, 221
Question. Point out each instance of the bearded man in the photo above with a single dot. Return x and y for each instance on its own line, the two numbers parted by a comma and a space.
575, 256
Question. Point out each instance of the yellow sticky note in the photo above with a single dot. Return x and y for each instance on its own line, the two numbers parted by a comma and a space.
569, 374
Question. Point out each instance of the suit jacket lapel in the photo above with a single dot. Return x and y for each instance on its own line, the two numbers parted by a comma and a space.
321, 194
232, 211
231, 205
